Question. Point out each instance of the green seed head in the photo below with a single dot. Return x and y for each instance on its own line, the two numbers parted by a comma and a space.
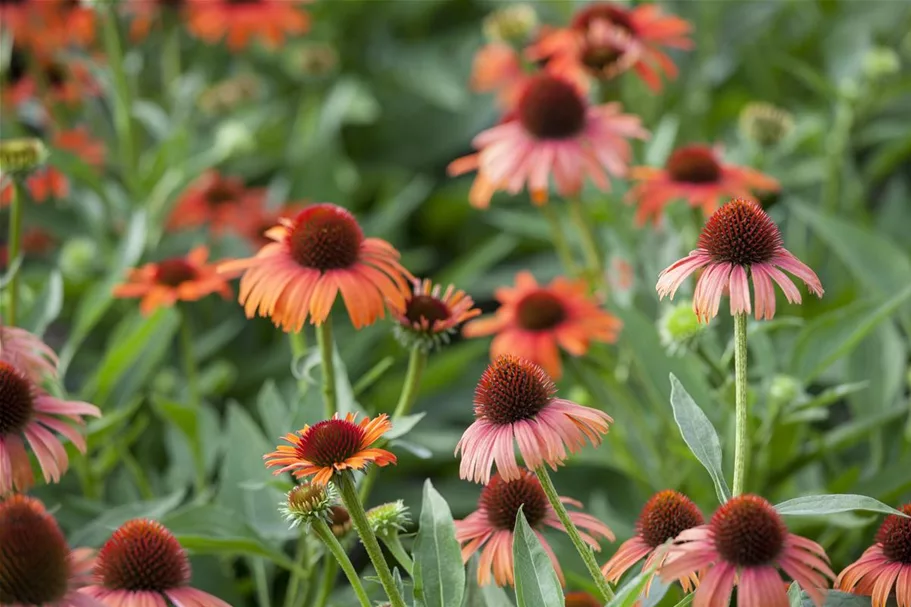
21, 156
389, 518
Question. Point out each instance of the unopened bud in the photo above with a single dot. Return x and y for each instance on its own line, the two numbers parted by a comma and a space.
679, 326
513, 23
306, 503
21, 156
765, 123
389, 518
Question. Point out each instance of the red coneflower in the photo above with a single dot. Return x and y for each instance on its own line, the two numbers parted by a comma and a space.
745, 544
79, 142
554, 132
257, 226
43, 184
240, 21
663, 517
27, 353
37, 566
430, 316
536, 321
143, 565
697, 174
515, 402
61, 23
222, 202
27, 410
316, 255
176, 279
490, 527
497, 68
146, 13
331, 446
739, 244
884, 566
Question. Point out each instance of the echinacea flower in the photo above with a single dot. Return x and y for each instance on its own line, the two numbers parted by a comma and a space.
27, 353
42, 185
314, 256
78, 142
62, 83
536, 321
554, 132
662, 518
166, 282
37, 566
490, 527
430, 316
745, 544
27, 410
219, 201
739, 244
60, 23
331, 446
239, 23
307, 503
515, 402
696, 174
143, 565
885, 566
497, 68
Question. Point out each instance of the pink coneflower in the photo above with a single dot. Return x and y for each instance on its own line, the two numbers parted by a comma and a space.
143, 565
884, 565
491, 525
740, 243
515, 402
554, 132
37, 566
27, 410
745, 544
27, 353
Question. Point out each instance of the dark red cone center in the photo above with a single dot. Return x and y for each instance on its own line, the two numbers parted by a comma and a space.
325, 237
603, 11
665, 515
540, 311
740, 232
895, 537
142, 556
502, 500
331, 441
748, 531
694, 164
512, 389
426, 307
551, 108
175, 272
16, 400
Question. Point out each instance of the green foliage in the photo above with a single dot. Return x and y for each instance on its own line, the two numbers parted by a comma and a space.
536, 580
439, 575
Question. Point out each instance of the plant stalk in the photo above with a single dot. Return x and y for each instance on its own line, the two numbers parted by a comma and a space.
741, 446
394, 544
324, 339
335, 548
559, 239
417, 361
15, 245
593, 259
330, 568
294, 582
192, 375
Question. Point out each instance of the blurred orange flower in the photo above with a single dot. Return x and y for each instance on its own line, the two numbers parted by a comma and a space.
145, 13
222, 202
46, 26
79, 142
43, 184
240, 22
55, 81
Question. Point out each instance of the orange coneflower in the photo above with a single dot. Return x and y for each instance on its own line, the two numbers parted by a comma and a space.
240, 22
315, 256
176, 279
43, 184
332, 446
146, 12
46, 26
697, 174
262, 219
222, 202
430, 316
79, 142
536, 321
57, 82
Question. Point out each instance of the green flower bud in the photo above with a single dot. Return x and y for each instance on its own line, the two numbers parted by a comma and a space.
513, 23
389, 518
785, 389
21, 156
765, 124
678, 327
79, 258
307, 503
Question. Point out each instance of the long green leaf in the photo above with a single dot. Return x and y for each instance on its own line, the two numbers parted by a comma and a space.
817, 505
536, 580
439, 575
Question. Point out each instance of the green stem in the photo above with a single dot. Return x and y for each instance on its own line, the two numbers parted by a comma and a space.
324, 339
300, 558
330, 568
560, 245
394, 544
348, 492
298, 351
261, 582
192, 375
742, 447
15, 245
324, 533
593, 259
123, 121
417, 361
585, 551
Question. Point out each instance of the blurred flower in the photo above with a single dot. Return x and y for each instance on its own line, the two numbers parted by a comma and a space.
340, 522
331, 446
679, 326
513, 23
739, 244
37, 566
663, 517
223, 203
56, 82
34, 240
146, 13
537, 321
490, 527
389, 518
515, 402
880, 62
27, 410
581, 599
239, 23
228, 94
316, 255
764, 123
21, 156
25, 351
41, 185
884, 565
80, 143
744, 544
256, 228
554, 132
428, 317
605, 39
307, 503
166, 282
497, 68
143, 565
694, 173
47, 26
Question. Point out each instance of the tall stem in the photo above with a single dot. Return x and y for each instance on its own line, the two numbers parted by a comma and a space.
325, 534
584, 550
742, 447
348, 491
417, 360
560, 245
15, 246
301, 557
192, 376
324, 339
593, 259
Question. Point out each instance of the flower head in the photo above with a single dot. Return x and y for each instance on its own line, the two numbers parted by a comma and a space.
143, 565
536, 322
884, 566
27, 353
679, 327
765, 123
739, 244
314, 256
553, 132
389, 518
515, 402
221, 202
79, 142
58, 82
239, 23
491, 526
330, 446
696, 174
306, 503
176, 279
42, 185
744, 544
430, 316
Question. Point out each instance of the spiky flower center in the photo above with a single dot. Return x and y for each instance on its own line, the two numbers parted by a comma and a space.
330, 442
740, 232
694, 164
426, 307
307, 499
551, 108
502, 499
34, 558
325, 237
16, 400
175, 272
748, 531
540, 311
512, 389
895, 537
665, 515
142, 555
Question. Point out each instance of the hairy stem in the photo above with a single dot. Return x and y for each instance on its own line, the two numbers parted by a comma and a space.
335, 548
742, 447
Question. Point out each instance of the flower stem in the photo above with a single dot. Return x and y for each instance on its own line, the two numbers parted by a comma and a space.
417, 360
585, 551
325, 534
324, 339
562, 247
330, 568
348, 491
742, 447
192, 375
593, 259
15, 244
123, 120
300, 558
394, 544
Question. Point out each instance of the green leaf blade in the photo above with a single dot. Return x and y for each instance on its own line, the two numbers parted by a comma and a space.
818, 505
439, 575
536, 579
